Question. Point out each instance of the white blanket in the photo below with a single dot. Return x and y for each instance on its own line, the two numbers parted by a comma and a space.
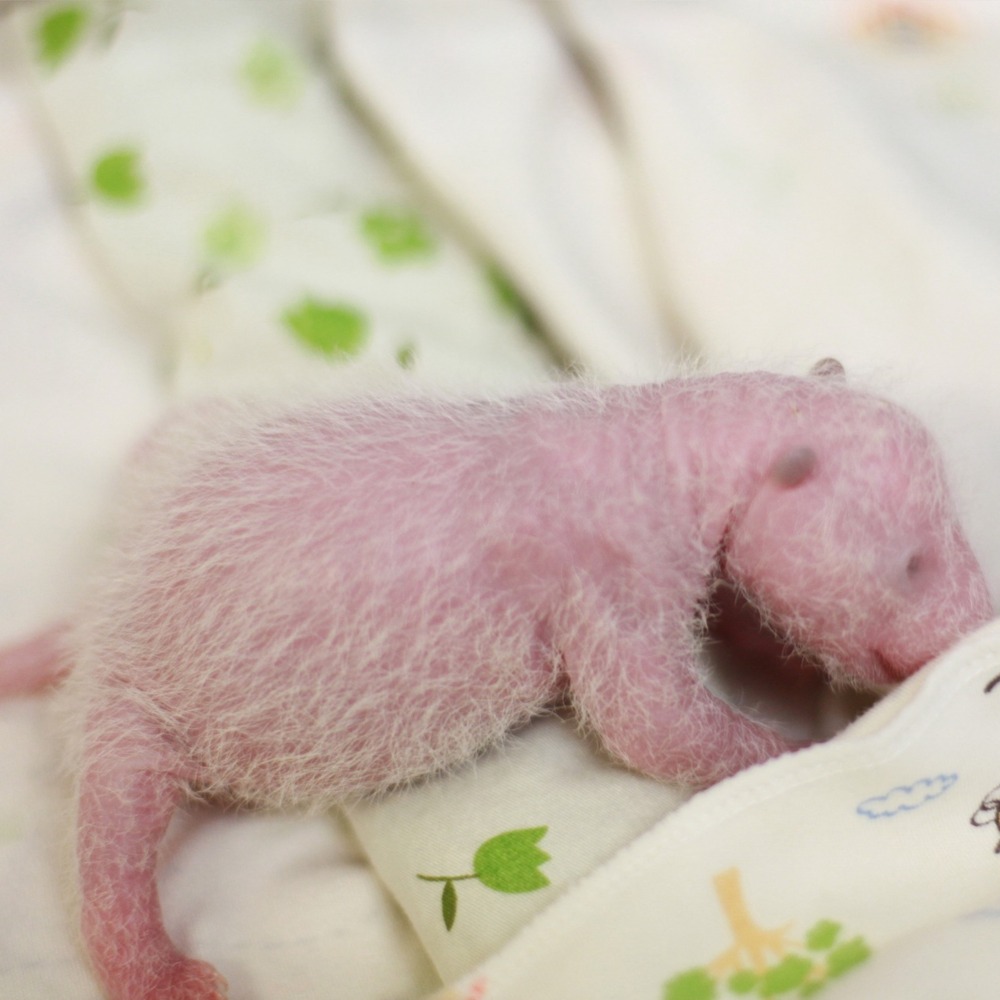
749, 183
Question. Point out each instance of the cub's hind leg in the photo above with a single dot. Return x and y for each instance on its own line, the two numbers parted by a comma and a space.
131, 780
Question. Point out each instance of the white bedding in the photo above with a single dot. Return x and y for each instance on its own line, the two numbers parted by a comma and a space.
756, 183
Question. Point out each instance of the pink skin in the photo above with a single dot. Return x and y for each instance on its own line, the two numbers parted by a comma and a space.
312, 603
34, 663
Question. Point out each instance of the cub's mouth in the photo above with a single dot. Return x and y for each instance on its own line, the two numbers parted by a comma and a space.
757, 671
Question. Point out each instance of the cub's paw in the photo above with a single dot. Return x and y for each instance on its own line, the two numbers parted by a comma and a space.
188, 979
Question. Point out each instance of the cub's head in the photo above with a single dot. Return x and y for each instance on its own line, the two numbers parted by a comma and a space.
850, 544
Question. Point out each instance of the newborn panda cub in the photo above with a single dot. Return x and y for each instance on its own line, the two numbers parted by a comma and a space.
314, 601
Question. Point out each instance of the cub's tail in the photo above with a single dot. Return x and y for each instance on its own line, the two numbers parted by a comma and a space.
34, 663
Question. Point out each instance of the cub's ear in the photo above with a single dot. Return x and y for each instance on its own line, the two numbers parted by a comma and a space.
828, 368
793, 467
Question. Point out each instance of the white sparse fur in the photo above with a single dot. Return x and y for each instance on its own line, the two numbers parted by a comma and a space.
417, 567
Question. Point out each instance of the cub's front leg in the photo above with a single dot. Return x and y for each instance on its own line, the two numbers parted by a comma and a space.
635, 679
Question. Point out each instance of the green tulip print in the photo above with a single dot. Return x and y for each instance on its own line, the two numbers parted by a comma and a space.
508, 862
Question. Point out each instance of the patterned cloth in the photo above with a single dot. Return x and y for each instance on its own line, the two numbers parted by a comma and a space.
243, 212
856, 868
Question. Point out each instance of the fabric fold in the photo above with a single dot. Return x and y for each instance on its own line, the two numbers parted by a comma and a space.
797, 872
484, 104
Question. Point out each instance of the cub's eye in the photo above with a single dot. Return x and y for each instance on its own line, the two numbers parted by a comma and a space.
918, 571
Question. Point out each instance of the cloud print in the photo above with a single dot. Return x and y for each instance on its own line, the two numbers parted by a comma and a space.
906, 798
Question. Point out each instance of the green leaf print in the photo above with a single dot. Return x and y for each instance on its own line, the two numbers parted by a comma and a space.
848, 955
822, 935
507, 297
406, 356
335, 329
449, 904
271, 75
742, 969
695, 984
743, 982
787, 975
506, 863
397, 235
59, 32
811, 988
235, 237
117, 177
509, 862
